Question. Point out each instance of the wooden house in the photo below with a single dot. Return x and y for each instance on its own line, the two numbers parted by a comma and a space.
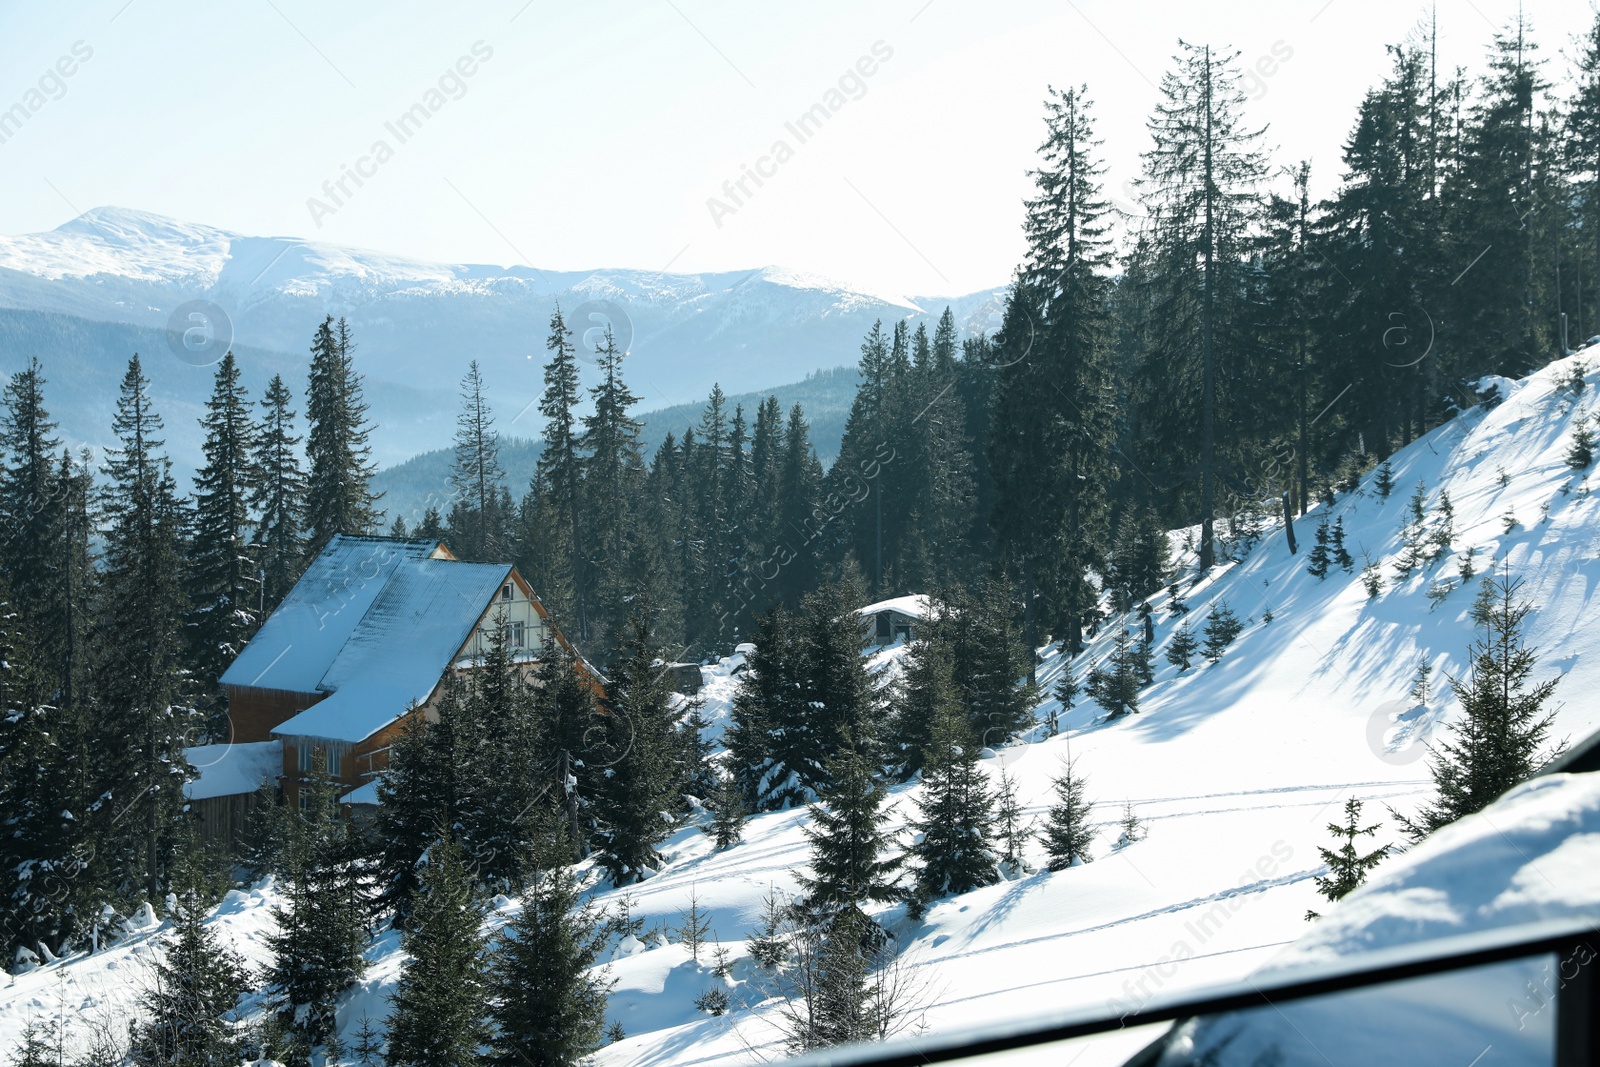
358, 649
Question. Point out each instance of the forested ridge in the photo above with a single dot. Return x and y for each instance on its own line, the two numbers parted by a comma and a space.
1233, 350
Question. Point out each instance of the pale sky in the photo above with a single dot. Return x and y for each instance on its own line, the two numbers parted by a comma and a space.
593, 135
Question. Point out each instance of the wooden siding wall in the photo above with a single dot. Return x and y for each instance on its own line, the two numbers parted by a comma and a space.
223, 819
254, 712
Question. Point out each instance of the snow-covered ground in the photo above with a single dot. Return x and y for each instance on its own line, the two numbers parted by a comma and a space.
1235, 769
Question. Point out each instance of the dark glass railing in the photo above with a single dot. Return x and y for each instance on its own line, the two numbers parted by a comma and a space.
1516, 995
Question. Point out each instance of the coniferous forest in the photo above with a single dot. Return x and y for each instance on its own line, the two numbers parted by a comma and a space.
1230, 351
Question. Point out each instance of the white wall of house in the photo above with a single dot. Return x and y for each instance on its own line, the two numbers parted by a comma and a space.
513, 609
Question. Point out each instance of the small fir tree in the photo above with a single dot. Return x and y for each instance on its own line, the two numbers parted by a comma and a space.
1117, 690
1066, 691
727, 814
1575, 380
1183, 647
850, 846
1318, 558
1008, 817
368, 1049
1340, 554
1347, 867
1144, 662
1067, 831
1422, 683
1414, 544
694, 927
1132, 827
1372, 579
1222, 627
1580, 453
1383, 481
769, 948
1443, 528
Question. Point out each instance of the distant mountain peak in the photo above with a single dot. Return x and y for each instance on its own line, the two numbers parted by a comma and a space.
417, 322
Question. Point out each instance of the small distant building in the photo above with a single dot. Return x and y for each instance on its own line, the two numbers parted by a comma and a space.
358, 649
686, 678
894, 620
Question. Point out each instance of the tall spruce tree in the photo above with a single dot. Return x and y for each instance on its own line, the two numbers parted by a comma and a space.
224, 583
765, 741
37, 557
613, 471
639, 798
339, 497
1499, 203
441, 1001
564, 702
561, 468
1500, 739
954, 813
478, 525
851, 862
140, 735
1200, 195
845, 704
1050, 455
50, 877
549, 992
501, 819
279, 498
419, 795
799, 538
1583, 169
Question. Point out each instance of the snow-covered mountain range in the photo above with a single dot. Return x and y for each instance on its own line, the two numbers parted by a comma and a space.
1235, 769
87, 294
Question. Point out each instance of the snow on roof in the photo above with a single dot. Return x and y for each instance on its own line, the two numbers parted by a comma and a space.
298, 644
227, 770
915, 605
416, 621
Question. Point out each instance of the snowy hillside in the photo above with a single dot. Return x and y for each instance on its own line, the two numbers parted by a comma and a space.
1234, 768
746, 330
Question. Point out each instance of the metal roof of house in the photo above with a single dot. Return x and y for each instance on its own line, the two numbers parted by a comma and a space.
374, 623
296, 645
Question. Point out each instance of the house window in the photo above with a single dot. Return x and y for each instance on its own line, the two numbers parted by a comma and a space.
505, 591
305, 758
335, 762
516, 634
305, 800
